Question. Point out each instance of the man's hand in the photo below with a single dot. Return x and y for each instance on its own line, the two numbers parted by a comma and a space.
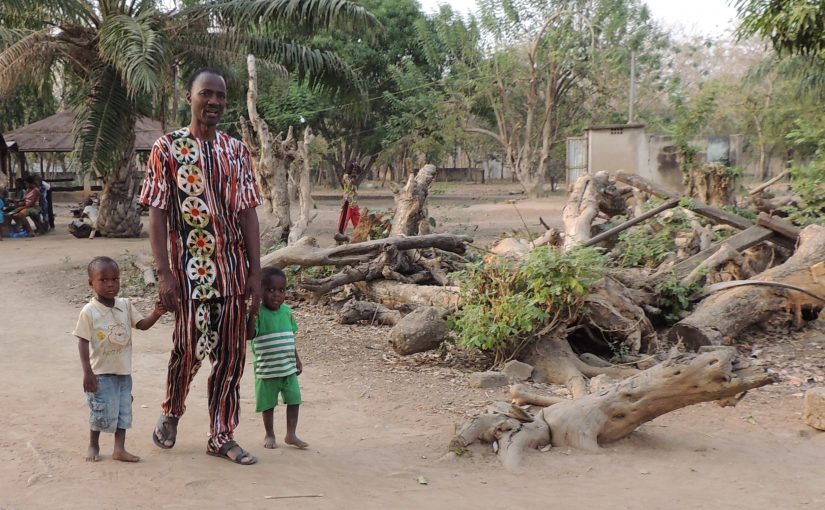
169, 291
89, 382
253, 293
300, 367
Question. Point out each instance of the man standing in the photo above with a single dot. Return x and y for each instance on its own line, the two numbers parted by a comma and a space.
202, 195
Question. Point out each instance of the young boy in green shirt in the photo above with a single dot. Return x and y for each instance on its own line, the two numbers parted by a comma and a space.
276, 361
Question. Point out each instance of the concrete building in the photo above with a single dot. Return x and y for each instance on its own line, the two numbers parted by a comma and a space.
628, 147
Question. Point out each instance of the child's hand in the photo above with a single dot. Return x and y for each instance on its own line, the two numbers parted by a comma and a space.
300, 367
159, 308
90, 383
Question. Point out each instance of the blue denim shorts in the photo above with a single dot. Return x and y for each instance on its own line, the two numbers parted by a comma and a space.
111, 405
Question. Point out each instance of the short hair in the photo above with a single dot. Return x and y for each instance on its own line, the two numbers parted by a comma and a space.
28, 179
272, 272
204, 70
99, 262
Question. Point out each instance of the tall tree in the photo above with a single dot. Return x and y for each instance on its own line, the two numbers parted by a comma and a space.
540, 62
123, 53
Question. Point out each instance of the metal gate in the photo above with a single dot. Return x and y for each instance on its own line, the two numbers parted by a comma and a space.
576, 157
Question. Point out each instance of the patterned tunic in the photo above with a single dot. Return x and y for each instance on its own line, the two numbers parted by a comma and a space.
203, 186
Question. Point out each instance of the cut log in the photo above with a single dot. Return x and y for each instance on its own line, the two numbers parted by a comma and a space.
398, 295
778, 225
721, 316
614, 412
355, 311
306, 252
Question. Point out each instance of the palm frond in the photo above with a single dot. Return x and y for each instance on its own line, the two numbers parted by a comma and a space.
137, 48
27, 57
37, 13
322, 69
105, 124
302, 15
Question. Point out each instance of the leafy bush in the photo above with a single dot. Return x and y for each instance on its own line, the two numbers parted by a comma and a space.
505, 303
808, 180
674, 298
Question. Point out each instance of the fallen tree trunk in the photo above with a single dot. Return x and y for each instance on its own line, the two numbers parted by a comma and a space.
306, 252
615, 412
397, 295
680, 381
355, 311
721, 316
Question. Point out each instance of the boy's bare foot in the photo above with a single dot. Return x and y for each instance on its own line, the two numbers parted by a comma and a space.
93, 454
270, 442
296, 442
124, 456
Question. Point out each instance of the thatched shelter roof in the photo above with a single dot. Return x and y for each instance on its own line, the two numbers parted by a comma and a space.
54, 134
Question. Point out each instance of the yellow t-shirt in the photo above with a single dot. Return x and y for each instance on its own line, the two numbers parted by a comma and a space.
109, 332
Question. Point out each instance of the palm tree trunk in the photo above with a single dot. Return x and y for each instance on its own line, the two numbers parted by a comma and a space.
118, 216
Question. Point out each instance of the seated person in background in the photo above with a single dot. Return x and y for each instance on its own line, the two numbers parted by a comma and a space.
28, 207
87, 222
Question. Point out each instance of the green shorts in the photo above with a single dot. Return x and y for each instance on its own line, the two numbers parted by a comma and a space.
267, 390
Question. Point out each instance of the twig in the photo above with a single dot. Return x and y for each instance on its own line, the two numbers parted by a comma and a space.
526, 228
295, 496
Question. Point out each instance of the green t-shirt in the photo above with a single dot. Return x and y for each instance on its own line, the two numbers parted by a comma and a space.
273, 345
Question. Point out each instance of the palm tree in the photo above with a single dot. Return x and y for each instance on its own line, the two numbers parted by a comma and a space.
122, 55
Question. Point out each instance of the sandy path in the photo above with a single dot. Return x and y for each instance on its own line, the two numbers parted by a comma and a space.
366, 452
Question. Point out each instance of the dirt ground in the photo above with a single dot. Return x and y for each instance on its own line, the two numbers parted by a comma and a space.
377, 424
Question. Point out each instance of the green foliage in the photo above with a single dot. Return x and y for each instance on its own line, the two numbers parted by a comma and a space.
689, 118
296, 274
120, 55
649, 243
808, 180
505, 303
674, 298
792, 26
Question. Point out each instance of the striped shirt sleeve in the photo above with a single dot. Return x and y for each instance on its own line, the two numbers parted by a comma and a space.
155, 191
249, 194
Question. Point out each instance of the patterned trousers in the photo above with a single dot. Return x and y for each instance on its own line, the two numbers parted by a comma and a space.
215, 329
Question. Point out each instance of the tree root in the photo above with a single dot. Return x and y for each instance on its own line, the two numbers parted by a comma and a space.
615, 412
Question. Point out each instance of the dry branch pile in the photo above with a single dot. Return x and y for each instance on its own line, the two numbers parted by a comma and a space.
657, 260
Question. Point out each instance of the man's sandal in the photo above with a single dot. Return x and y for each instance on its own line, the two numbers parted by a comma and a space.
244, 458
160, 439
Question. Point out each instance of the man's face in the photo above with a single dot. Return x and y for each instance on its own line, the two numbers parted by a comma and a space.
207, 99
